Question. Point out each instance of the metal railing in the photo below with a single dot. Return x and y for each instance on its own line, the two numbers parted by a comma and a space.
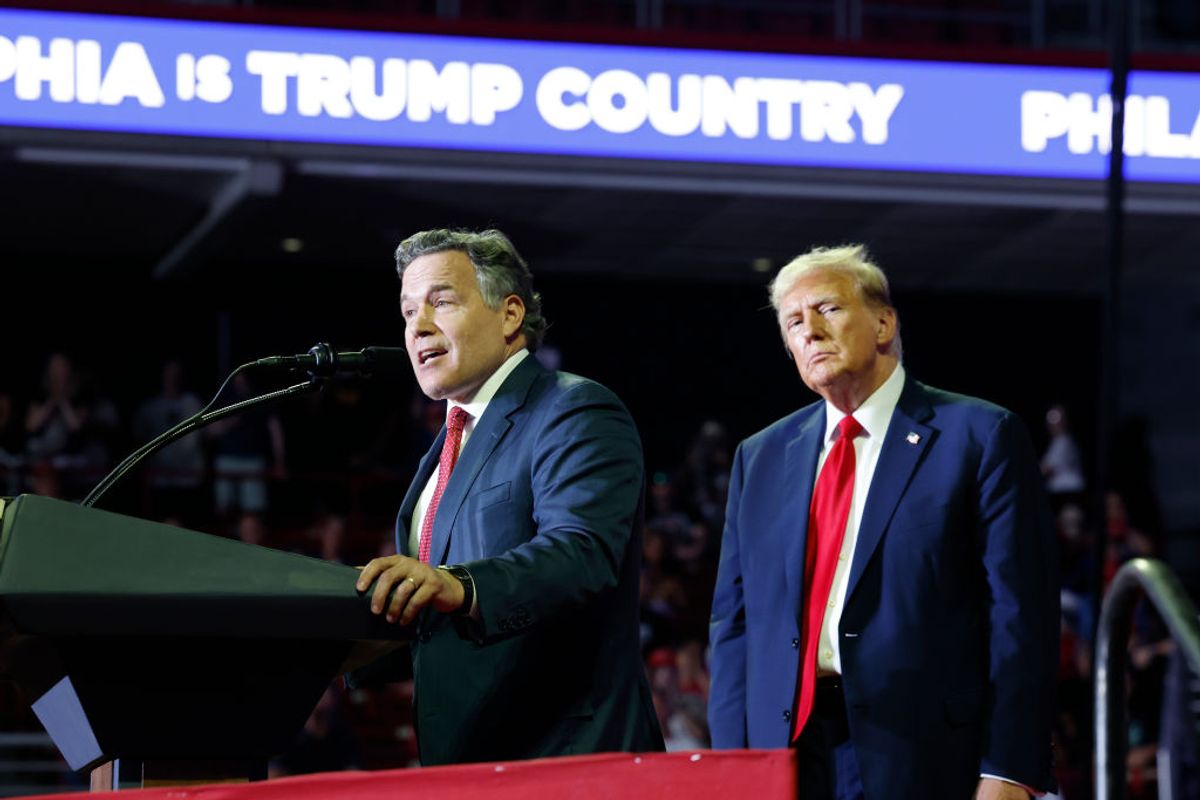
1164, 590
30, 764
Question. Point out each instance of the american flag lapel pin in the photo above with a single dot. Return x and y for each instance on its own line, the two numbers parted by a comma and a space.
913, 437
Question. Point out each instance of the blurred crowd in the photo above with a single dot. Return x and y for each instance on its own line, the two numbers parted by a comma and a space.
1128, 530
330, 491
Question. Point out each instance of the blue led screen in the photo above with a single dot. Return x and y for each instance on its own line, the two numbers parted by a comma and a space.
111, 73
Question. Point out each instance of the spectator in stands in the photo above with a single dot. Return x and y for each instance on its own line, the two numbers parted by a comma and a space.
693, 676
247, 448
680, 711
679, 590
664, 513
1062, 464
663, 599
1149, 648
1076, 571
1073, 732
1124, 539
705, 476
55, 420
175, 473
70, 428
103, 434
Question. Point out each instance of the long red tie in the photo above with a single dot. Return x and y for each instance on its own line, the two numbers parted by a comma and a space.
826, 527
454, 430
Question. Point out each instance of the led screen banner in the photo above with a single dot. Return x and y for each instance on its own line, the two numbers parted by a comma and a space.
138, 75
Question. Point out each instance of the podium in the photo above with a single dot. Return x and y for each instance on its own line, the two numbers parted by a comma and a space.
198, 656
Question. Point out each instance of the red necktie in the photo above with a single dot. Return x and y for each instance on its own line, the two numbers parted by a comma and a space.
454, 430
826, 526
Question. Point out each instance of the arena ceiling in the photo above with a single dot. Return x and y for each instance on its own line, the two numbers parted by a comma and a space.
165, 208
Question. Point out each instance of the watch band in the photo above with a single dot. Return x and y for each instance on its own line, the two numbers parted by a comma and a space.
464, 577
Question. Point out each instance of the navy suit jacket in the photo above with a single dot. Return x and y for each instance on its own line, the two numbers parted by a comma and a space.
949, 631
544, 508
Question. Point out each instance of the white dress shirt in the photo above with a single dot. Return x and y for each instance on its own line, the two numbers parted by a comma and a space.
475, 408
875, 415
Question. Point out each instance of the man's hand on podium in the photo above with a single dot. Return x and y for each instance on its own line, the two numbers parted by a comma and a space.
411, 585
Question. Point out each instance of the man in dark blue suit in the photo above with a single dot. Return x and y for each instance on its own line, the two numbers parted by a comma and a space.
519, 539
895, 616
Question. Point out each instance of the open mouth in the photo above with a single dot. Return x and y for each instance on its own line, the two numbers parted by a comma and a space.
430, 354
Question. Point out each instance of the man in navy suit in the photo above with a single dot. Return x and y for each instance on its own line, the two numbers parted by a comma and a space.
519, 539
931, 638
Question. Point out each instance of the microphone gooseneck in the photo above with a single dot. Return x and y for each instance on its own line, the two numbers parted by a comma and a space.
322, 361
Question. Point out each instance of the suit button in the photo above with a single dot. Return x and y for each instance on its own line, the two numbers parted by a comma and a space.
787, 715
424, 637
795, 644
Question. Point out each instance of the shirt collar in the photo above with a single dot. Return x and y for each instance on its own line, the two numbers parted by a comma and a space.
479, 402
875, 413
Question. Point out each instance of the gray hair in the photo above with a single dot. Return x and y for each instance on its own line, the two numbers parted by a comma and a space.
499, 270
850, 260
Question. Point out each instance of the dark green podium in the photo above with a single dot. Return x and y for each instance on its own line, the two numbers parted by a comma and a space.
198, 656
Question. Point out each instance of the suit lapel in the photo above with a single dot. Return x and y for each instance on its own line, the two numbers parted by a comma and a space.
800, 466
428, 464
901, 453
488, 432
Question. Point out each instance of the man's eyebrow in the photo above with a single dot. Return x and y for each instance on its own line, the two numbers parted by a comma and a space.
437, 287
813, 303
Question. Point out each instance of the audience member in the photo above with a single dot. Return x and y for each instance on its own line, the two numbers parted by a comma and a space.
704, 477
175, 474
69, 430
54, 421
1062, 464
1124, 540
247, 447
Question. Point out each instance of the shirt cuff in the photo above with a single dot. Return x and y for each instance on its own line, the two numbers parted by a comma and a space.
1032, 792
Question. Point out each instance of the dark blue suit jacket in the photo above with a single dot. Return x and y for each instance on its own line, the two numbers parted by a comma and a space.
949, 631
544, 507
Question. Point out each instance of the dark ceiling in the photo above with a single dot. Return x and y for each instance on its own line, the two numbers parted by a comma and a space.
160, 209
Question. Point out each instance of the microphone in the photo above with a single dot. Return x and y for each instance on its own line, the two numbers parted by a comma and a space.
322, 361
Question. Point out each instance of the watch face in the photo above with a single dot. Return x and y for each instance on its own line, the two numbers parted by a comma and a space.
468, 585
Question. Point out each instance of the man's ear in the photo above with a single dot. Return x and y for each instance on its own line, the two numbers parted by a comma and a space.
514, 316
885, 330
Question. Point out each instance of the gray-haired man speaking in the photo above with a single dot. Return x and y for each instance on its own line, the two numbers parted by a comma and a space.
520, 536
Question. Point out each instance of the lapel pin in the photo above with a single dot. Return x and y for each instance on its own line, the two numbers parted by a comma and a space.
913, 437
